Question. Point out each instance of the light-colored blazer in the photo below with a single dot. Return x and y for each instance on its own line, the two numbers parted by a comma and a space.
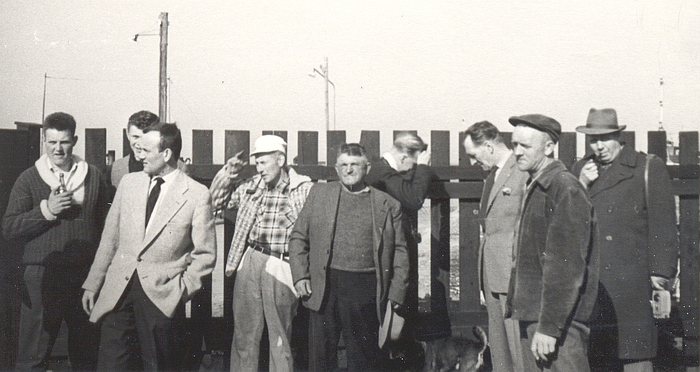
311, 242
171, 258
119, 169
499, 224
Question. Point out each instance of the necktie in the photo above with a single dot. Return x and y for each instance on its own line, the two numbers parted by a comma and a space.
153, 198
488, 185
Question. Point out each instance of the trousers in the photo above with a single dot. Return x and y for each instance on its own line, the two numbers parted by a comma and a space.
571, 354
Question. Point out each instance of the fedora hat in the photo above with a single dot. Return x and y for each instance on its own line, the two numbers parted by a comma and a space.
391, 326
602, 121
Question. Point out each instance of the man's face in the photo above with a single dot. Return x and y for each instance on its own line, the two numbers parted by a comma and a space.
479, 155
531, 147
606, 147
351, 169
154, 160
134, 134
58, 146
269, 166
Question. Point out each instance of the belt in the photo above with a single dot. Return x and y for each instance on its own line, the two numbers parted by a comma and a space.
269, 252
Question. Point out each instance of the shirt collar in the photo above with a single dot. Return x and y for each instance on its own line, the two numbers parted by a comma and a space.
390, 159
56, 169
502, 163
282, 183
170, 177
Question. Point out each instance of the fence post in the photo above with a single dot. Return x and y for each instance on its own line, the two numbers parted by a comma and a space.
370, 140
656, 144
96, 147
308, 148
567, 148
334, 138
468, 244
202, 146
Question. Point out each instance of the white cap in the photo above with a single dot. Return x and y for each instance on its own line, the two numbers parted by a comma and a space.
269, 143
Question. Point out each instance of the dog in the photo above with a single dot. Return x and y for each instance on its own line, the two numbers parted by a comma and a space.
456, 353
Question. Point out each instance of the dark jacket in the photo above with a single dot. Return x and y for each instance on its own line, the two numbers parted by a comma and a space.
555, 278
631, 248
311, 239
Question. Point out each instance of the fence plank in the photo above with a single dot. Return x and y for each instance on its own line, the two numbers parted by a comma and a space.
334, 138
96, 147
656, 144
370, 140
236, 140
280, 133
468, 243
308, 148
202, 146
690, 256
126, 146
567, 148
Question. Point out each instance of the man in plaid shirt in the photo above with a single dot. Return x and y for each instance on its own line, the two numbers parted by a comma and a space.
268, 205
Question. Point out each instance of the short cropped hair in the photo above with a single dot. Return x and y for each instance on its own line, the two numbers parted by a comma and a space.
352, 149
409, 143
142, 119
483, 131
170, 137
61, 122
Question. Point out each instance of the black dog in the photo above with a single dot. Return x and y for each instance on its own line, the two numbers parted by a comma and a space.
456, 353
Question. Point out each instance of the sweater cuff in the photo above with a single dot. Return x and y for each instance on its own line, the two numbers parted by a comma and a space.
46, 212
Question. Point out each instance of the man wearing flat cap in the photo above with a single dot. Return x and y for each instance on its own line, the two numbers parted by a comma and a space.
629, 189
555, 276
263, 293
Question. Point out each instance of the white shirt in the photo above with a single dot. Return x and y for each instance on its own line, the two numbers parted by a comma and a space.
502, 163
168, 180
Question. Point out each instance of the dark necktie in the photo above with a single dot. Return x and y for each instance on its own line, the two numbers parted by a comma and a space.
153, 198
488, 185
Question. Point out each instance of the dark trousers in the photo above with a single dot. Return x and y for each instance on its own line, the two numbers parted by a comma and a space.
571, 352
136, 335
350, 306
52, 294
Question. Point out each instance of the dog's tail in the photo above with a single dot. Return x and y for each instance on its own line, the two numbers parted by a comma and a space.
481, 335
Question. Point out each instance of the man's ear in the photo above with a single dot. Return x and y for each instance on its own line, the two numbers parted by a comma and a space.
549, 148
75, 140
167, 155
281, 159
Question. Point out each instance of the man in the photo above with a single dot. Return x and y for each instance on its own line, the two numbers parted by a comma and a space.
637, 255
263, 291
60, 231
555, 278
404, 174
499, 212
349, 262
159, 242
134, 131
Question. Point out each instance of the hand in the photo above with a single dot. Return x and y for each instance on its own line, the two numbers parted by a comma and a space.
542, 346
423, 158
58, 203
660, 283
303, 288
589, 173
235, 164
88, 301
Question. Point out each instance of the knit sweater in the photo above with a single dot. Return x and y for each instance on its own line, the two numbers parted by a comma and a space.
76, 232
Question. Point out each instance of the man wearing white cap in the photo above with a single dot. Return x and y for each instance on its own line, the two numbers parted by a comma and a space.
268, 205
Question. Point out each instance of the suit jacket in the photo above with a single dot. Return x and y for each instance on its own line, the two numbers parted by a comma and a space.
170, 258
311, 243
119, 169
502, 209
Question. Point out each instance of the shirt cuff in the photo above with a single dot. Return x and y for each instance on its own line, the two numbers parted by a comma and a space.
46, 212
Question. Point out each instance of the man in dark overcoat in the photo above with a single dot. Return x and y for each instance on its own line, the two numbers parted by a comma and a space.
638, 240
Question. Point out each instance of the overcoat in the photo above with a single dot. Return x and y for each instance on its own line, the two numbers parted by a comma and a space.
171, 257
311, 242
631, 248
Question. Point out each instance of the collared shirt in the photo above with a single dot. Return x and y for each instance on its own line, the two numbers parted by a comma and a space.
71, 184
390, 159
273, 221
168, 180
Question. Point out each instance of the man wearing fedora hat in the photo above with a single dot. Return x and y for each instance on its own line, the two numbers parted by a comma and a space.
636, 256
268, 205
555, 272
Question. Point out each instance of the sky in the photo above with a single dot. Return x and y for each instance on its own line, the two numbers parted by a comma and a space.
415, 65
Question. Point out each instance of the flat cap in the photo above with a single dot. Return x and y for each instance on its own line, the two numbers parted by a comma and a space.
539, 122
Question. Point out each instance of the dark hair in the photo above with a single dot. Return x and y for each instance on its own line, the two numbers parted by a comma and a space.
61, 122
142, 119
410, 143
170, 137
483, 131
352, 149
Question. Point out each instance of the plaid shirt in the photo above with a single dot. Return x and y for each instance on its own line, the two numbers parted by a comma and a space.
264, 216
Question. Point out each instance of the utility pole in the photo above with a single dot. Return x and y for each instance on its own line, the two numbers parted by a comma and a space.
163, 81
325, 75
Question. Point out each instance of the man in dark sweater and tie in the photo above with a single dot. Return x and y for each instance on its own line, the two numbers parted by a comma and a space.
59, 224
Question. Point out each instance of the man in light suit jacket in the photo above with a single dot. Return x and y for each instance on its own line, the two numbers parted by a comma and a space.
349, 262
158, 243
500, 206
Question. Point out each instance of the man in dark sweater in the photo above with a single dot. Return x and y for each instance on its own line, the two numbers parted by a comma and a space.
60, 226
349, 263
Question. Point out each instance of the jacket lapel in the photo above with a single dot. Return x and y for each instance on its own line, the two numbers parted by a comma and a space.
501, 180
170, 203
619, 170
379, 216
